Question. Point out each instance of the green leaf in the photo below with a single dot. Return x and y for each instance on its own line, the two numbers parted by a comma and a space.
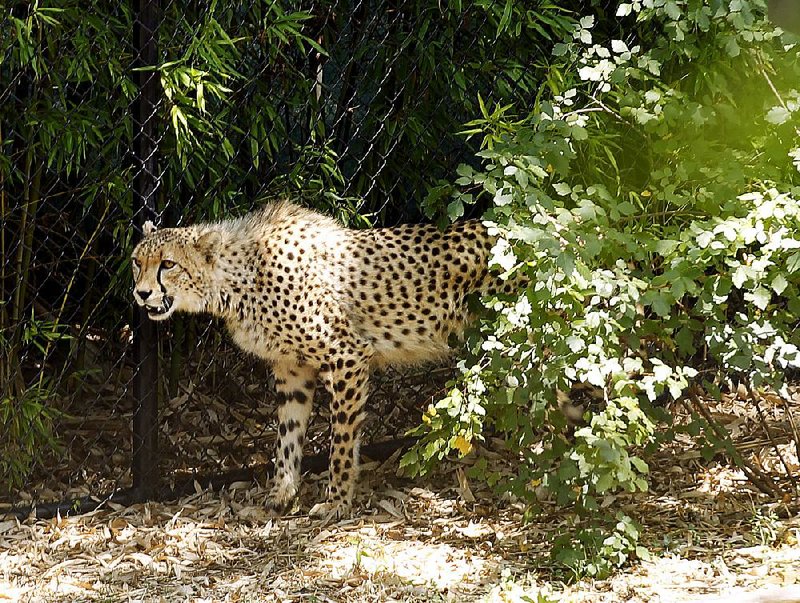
560, 49
455, 209
626, 208
778, 115
660, 302
465, 170
672, 10
505, 19
793, 263
760, 297
779, 284
562, 188
685, 341
732, 47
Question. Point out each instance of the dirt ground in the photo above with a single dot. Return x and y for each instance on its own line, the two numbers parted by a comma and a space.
712, 537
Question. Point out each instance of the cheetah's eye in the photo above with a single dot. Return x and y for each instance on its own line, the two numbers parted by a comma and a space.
137, 264
167, 264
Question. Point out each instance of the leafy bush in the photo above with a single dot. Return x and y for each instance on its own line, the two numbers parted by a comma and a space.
26, 415
651, 199
596, 552
27, 426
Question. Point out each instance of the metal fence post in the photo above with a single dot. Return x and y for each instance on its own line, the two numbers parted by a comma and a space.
146, 476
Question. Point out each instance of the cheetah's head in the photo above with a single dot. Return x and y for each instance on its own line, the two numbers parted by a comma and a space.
172, 268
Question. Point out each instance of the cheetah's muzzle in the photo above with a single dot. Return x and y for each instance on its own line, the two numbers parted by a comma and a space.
166, 304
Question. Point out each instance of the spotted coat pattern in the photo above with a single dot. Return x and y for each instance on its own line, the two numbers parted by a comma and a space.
322, 304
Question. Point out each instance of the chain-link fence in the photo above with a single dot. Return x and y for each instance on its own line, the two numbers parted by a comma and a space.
181, 110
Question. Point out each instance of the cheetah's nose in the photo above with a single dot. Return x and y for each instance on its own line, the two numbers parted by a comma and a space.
144, 294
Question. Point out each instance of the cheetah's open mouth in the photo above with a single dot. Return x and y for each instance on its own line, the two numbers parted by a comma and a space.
156, 311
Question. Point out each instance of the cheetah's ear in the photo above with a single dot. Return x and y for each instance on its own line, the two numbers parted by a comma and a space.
207, 244
148, 228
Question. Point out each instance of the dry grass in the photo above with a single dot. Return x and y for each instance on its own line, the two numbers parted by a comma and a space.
439, 539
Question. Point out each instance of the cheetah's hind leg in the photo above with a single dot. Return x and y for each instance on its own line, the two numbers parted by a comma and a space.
346, 378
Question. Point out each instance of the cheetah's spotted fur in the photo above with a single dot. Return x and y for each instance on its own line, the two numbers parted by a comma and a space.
318, 302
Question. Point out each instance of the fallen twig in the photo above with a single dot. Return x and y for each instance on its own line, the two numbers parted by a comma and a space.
755, 476
755, 398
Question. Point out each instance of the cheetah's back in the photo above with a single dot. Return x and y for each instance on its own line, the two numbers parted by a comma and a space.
406, 287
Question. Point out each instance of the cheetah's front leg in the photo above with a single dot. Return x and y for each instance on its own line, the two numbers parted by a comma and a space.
295, 385
346, 378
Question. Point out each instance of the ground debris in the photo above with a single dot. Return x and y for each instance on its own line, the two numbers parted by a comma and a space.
446, 538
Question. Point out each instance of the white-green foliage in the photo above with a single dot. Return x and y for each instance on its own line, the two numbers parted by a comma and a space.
651, 200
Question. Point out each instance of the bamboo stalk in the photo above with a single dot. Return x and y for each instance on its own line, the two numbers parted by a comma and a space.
23, 259
4, 319
71, 283
23, 224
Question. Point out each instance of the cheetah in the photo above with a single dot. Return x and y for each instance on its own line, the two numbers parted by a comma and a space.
319, 302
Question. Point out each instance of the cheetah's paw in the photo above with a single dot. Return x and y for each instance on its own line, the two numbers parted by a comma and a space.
331, 511
280, 499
